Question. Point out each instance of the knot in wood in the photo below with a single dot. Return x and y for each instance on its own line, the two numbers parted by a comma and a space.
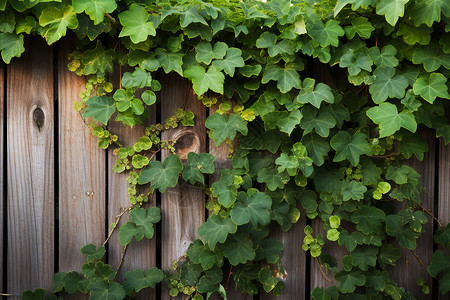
38, 118
186, 141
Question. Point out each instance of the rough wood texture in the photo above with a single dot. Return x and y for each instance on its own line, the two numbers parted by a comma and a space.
2, 175
182, 207
141, 255
444, 185
82, 173
408, 268
30, 155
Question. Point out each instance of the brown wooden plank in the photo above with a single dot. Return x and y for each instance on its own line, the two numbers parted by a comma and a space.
182, 207
30, 153
2, 175
141, 255
81, 175
408, 268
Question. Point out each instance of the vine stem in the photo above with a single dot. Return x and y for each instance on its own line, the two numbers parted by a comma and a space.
112, 20
121, 257
118, 217
385, 156
418, 259
428, 212
228, 280
323, 272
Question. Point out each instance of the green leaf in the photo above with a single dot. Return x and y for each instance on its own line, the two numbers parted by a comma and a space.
364, 256
414, 35
148, 97
139, 78
354, 190
7, 21
361, 26
413, 144
98, 60
92, 252
348, 281
392, 9
444, 132
388, 255
226, 193
222, 127
432, 87
56, 21
216, 229
136, 24
290, 122
317, 147
137, 280
314, 96
350, 147
398, 228
239, 251
38, 294
100, 108
170, 61
368, 219
389, 120
11, 45
440, 264
268, 281
67, 281
326, 34
350, 240
387, 85
402, 175
385, 57
319, 120
100, 290
199, 164
254, 209
272, 178
162, 175
140, 225
95, 9
325, 294
355, 62
270, 250
428, 12
431, 57
268, 40
206, 53
191, 15
231, 61
287, 78
202, 81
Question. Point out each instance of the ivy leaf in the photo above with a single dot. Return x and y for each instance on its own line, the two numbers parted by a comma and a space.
231, 61
268, 40
431, 57
202, 81
391, 9
428, 12
268, 281
368, 219
38, 294
226, 193
95, 9
140, 225
402, 175
162, 175
98, 59
388, 255
191, 15
361, 26
11, 46
415, 35
216, 229
287, 78
432, 87
136, 24
67, 281
222, 127
56, 21
387, 85
350, 147
100, 108
385, 57
319, 120
348, 281
355, 62
389, 120
199, 164
272, 178
100, 290
254, 209
440, 263
139, 78
413, 144
317, 147
136, 280
444, 132
239, 251
314, 96
354, 190
170, 61
206, 53
325, 294
270, 250
350, 240
396, 227
92, 252
326, 34
290, 122
7, 22
364, 256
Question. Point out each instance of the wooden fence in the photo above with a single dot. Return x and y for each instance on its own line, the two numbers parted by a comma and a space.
59, 191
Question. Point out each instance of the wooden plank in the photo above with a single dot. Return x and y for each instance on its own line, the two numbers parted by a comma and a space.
81, 173
2, 175
30, 152
141, 255
408, 268
444, 184
182, 207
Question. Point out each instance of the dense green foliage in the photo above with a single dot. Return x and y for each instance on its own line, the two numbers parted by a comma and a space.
330, 97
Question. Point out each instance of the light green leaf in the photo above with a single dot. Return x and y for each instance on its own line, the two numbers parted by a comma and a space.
319, 120
354, 190
162, 175
222, 127
140, 225
287, 78
139, 78
202, 81
100, 108
199, 164
95, 9
100, 290
314, 96
11, 46
148, 97
226, 193
232, 60
170, 61
432, 87
290, 122
191, 16
392, 9
387, 85
385, 57
136, 280
350, 147
415, 35
254, 209
269, 41
136, 24
216, 229
389, 120
428, 12
56, 21
326, 34
206, 53
272, 178
431, 57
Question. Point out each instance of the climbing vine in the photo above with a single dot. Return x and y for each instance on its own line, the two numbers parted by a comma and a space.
329, 99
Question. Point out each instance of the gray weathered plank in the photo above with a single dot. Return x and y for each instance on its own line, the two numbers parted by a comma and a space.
30, 153
2, 142
408, 268
182, 207
81, 173
141, 255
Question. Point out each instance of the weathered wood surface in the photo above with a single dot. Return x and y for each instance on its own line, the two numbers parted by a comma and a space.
81, 173
2, 175
444, 183
30, 153
182, 207
408, 268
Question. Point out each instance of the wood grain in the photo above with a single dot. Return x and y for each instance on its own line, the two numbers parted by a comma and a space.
142, 254
30, 153
81, 173
182, 207
444, 183
2, 175
408, 268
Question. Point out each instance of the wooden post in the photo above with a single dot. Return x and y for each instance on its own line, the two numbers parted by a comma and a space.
81, 173
182, 207
2, 175
30, 176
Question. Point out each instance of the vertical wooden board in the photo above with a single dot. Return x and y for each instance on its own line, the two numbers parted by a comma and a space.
2, 175
81, 173
30, 152
142, 254
293, 260
182, 207
444, 183
408, 268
